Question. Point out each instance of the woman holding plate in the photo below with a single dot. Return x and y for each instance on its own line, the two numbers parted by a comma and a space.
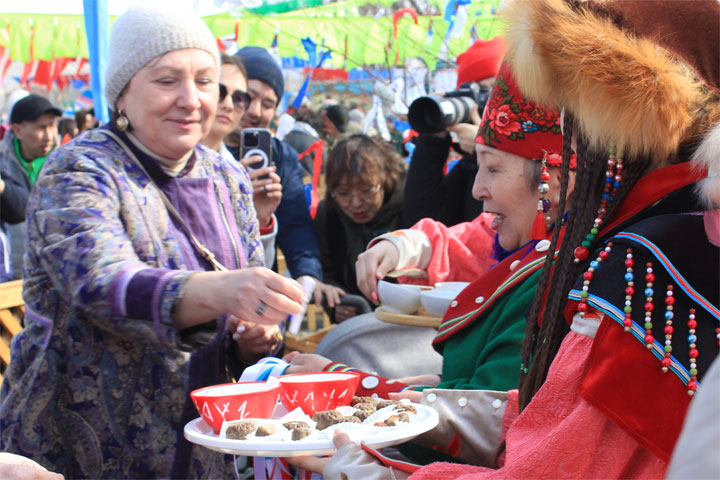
141, 244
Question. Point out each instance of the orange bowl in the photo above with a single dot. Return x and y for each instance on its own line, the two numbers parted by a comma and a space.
314, 392
235, 401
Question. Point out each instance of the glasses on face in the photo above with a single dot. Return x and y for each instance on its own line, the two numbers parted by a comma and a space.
345, 196
240, 99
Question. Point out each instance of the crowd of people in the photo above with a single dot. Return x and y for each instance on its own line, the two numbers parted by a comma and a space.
584, 212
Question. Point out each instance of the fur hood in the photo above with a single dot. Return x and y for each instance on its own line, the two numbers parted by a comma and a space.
632, 72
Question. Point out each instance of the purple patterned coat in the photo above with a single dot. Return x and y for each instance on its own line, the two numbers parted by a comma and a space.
99, 379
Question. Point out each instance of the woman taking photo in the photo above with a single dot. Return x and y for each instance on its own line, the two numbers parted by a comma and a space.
140, 245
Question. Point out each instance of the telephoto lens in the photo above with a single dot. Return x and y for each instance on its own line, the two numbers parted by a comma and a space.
434, 114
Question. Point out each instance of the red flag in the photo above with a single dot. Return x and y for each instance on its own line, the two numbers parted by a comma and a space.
8, 62
43, 74
27, 70
59, 66
83, 62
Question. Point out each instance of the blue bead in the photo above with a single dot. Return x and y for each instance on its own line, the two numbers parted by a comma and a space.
608, 180
629, 277
669, 315
605, 196
616, 185
649, 292
692, 338
594, 264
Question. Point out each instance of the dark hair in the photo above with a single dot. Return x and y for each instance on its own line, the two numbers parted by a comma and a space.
359, 158
66, 126
80, 118
541, 343
234, 61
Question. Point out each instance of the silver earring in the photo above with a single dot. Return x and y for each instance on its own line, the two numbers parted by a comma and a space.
122, 122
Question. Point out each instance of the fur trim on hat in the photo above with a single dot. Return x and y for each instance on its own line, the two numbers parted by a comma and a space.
621, 88
706, 157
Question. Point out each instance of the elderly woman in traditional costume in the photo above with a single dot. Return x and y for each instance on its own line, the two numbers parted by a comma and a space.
141, 244
636, 280
501, 252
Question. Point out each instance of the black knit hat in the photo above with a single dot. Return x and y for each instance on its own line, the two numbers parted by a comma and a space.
338, 115
260, 65
29, 108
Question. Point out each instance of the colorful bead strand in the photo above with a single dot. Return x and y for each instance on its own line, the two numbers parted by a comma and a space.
582, 306
629, 290
649, 306
613, 180
669, 301
692, 353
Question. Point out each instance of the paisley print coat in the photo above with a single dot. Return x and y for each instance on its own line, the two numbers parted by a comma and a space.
99, 379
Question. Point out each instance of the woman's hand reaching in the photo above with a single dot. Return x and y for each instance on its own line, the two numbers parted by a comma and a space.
373, 264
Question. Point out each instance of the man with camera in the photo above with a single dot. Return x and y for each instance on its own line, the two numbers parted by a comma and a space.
429, 193
296, 232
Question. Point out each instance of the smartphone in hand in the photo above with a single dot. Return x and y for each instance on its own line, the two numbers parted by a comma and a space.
257, 141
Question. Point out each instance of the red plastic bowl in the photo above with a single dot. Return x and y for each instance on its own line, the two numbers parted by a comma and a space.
235, 401
314, 392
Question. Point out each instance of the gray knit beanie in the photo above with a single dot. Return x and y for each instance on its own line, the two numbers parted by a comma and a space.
145, 32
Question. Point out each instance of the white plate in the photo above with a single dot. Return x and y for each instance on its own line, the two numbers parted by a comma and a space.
197, 431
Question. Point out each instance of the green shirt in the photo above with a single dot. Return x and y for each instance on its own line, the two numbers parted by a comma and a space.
33, 167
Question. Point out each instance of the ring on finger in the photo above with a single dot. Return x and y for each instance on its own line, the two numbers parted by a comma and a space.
260, 308
277, 335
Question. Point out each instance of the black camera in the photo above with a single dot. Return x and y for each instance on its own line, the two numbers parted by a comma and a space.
434, 113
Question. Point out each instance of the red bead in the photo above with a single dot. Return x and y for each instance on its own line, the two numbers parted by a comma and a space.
604, 254
581, 253
588, 275
692, 385
649, 307
627, 322
692, 324
649, 339
669, 329
582, 307
630, 291
650, 277
669, 300
545, 177
693, 353
629, 262
666, 362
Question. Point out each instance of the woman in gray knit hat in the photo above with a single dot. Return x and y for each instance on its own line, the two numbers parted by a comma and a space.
142, 247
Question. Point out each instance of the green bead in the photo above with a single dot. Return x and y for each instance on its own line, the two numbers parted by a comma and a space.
584, 294
586, 244
648, 325
627, 309
693, 372
590, 237
594, 231
668, 348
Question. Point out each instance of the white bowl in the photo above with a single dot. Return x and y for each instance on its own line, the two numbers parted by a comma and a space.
397, 298
437, 301
453, 286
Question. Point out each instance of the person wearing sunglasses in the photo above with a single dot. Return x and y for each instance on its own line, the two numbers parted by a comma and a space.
233, 100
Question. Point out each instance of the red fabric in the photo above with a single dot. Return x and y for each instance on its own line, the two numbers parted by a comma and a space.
58, 67
652, 412
396, 18
316, 148
511, 123
543, 440
460, 253
27, 70
391, 462
480, 61
384, 385
654, 186
327, 74
43, 73
269, 228
8, 62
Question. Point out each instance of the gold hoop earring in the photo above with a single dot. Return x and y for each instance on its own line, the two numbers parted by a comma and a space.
122, 122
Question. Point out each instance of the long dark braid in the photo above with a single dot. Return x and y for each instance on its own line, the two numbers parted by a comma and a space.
542, 342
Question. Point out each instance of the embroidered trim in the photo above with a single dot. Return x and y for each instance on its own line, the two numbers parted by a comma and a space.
523, 272
638, 332
677, 276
